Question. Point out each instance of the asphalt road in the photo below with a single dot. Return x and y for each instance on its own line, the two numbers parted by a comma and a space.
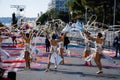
73, 69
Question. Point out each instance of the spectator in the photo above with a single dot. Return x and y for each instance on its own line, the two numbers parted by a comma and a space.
117, 44
66, 42
47, 43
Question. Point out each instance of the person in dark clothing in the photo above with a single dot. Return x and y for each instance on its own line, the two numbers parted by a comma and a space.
13, 36
117, 44
14, 40
66, 42
47, 43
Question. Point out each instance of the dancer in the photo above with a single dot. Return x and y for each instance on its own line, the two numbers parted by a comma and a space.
14, 39
87, 50
66, 42
98, 50
54, 44
61, 51
117, 44
27, 37
61, 44
47, 43
34, 52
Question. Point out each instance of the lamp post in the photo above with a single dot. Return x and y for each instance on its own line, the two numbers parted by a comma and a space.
86, 14
71, 12
114, 12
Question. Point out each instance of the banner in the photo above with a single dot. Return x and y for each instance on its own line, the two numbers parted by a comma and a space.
66, 29
80, 25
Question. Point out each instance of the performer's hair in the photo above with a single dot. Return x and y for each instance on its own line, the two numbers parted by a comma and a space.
27, 34
53, 36
70, 23
100, 35
62, 33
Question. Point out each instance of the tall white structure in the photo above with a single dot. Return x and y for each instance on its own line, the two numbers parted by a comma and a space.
19, 9
59, 5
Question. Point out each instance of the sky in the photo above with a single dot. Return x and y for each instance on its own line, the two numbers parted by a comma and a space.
32, 7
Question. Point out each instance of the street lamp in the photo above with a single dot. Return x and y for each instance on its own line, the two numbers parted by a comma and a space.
71, 12
86, 14
114, 12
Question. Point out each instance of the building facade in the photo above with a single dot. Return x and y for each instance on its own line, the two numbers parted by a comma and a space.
59, 5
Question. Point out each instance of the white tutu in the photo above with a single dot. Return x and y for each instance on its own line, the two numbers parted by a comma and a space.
89, 58
55, 58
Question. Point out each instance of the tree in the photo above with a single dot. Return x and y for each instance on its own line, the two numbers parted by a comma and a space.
103, 9
53, 14
1, 24
42, 19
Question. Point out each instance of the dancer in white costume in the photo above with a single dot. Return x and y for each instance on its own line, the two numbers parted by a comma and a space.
61, 44
87, 50
98, 50
34, 51
27, 38
53, 50
61, 50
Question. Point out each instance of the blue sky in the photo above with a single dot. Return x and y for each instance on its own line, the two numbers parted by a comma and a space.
33, 7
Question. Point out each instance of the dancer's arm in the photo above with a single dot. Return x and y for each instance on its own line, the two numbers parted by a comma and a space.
91, 38
88, 35
1, 28
31, 34
23, 35
104, 35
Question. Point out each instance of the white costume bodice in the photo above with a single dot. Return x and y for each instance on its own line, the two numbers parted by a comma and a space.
27, 46
87, 44
53, 49
98, 48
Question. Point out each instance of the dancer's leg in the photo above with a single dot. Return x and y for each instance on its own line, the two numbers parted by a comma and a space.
90, 63
48, 65
97, 58
61, 54
27, 59
117, 50
46, 49
85, 55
